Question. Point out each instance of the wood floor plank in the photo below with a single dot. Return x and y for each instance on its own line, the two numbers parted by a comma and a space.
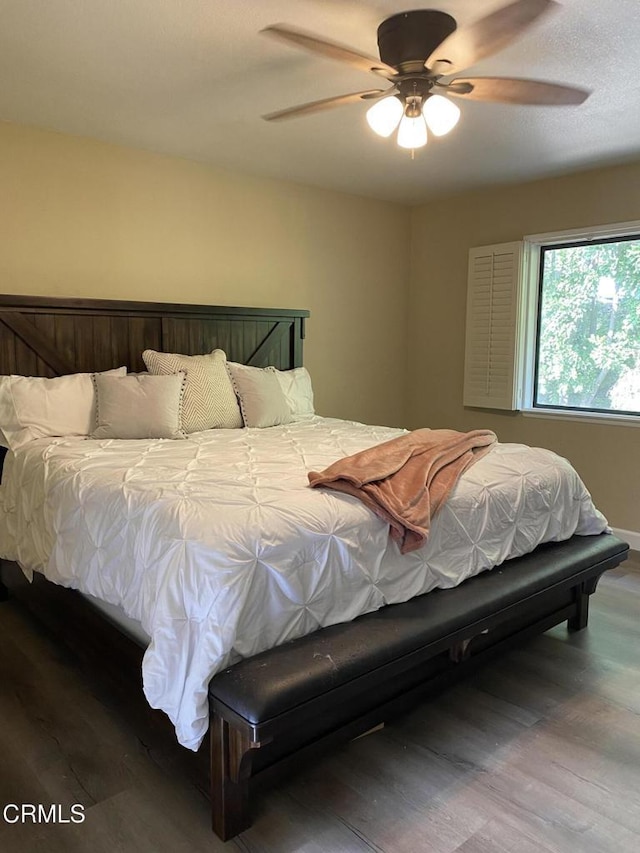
67, 752
396, 795
288, 823
555, 818
497, 836
138, 819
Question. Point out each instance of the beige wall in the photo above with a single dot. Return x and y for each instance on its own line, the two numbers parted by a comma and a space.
607, 457
83, 218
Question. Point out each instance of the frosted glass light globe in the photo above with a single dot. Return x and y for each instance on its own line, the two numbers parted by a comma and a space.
383, 117
440, 114
412, 132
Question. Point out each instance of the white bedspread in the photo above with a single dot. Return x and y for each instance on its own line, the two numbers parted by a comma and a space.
219, 548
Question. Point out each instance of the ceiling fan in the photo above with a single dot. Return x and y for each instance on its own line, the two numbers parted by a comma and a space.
419, 52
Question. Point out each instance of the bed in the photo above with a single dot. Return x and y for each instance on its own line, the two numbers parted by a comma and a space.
271, 677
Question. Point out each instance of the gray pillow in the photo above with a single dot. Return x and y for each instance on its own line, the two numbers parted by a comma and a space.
262, 400
139, 406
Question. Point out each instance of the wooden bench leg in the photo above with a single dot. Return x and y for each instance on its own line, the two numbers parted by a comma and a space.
579, 621
231, 758
581, 617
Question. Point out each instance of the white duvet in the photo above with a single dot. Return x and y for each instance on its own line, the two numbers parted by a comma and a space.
219, 548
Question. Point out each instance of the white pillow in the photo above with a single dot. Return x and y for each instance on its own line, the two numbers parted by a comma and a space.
139, 406
262, 401
36, 407
298, 391
209, 399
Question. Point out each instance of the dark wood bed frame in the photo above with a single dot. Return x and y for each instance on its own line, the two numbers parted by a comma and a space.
340, 681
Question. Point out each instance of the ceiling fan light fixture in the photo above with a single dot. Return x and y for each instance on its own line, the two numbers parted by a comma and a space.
384, 116
440, 114
417, 48
412, 132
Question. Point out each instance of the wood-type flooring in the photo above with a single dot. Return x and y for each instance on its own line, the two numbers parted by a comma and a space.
538, 753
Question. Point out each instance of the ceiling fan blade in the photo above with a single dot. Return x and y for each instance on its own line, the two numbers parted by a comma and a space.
330, 49
468, 45
508, 90
324, 104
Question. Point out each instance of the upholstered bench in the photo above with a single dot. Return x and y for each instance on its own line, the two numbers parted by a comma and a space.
347, 678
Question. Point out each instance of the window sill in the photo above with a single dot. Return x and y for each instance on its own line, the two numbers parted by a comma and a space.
584, 417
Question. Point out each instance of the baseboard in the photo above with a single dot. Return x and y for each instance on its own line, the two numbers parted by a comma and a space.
630, 536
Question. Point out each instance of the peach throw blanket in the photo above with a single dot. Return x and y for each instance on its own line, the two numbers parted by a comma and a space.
407, 479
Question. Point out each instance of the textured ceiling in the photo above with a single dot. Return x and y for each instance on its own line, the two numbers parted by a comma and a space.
192, 77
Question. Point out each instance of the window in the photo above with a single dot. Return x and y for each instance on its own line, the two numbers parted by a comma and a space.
588, 330
553, 324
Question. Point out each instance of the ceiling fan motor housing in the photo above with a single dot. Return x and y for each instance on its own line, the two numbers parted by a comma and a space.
407, 39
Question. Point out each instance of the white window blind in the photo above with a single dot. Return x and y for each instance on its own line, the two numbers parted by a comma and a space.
493, 306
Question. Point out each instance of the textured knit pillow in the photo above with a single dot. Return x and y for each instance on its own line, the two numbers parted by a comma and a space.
261, 399
209, 400
298, 391
37, 407
141, 406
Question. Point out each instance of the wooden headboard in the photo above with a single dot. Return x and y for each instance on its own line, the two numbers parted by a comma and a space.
42, 336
